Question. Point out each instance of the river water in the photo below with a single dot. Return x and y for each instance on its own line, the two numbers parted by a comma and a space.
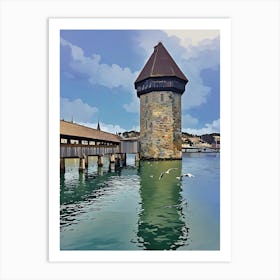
132, 209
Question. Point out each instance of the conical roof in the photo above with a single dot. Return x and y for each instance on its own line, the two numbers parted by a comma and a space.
160, 64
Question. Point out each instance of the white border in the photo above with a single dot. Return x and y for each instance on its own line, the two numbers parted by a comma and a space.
224, 254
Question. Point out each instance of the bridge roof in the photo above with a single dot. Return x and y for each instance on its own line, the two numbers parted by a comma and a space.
77, 130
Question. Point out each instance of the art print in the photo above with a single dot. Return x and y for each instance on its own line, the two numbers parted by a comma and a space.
141, 143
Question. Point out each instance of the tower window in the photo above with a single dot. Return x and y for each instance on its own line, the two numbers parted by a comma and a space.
161, 97
146, 99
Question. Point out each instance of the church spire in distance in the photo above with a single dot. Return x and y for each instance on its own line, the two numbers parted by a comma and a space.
98, 126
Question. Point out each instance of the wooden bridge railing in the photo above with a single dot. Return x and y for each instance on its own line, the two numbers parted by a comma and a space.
79, 150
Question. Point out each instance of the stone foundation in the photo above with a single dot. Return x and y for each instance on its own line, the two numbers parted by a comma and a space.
160, 125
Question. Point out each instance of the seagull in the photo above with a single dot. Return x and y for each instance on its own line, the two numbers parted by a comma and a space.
185, 175
166, 172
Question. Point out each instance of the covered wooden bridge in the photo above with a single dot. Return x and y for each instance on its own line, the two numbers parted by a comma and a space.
78, 141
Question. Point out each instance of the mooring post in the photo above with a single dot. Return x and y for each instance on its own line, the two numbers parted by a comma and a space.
62, 165
82, 165
100, 161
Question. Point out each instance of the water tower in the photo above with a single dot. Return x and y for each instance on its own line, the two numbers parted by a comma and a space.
160, 86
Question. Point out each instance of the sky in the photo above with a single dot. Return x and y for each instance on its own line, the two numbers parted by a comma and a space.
98, 69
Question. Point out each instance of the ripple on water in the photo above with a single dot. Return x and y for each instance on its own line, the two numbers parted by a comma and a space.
131, 209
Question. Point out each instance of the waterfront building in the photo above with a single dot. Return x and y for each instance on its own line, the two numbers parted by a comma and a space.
160, 86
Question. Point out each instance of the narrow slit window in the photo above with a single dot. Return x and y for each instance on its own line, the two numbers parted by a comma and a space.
151, 127
161, 97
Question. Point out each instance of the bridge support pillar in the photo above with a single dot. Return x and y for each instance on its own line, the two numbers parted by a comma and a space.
112, 158
100, 170
85, 157
117, 161
123, 159
82, 165
62, 165
100, 161
112, 167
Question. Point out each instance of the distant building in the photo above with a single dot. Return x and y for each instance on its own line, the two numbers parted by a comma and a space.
216, 142
159, 87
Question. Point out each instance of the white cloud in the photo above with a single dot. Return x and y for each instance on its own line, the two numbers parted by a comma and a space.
147, 40
193, 51
112, 128
193, 37
77, 52
136, 128
133, 106
99, 73
196, 93
76, 110
208, 128
189, 121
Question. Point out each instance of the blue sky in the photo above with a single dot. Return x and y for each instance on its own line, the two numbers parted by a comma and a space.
98, 69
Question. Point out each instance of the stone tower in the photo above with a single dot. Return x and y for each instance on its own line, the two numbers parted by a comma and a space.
159, 87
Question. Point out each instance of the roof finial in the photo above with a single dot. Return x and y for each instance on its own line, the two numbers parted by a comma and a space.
158, 43
98, 125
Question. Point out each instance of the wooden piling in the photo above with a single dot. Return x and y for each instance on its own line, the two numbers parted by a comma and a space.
123, 159
62, 165
100, 170
86, 160
117, 160
112, 167
82, 165
112, 158
100, 161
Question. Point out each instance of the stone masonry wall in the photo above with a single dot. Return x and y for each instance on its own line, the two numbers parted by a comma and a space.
160, 125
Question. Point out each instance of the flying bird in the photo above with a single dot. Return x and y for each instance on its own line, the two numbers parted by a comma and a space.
166, 172
185, 175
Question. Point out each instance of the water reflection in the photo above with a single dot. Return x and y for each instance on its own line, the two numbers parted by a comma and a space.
80, 189
129, 208
161, 224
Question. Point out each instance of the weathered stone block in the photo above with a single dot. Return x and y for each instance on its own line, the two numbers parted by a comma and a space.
160, 125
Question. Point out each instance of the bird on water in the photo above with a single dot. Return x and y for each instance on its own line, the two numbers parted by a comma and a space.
166, 172
185, 175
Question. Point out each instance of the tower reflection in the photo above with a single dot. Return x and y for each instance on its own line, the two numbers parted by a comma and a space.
161, 223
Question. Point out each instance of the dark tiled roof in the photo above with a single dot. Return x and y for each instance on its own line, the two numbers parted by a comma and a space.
73, 129
160, 64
